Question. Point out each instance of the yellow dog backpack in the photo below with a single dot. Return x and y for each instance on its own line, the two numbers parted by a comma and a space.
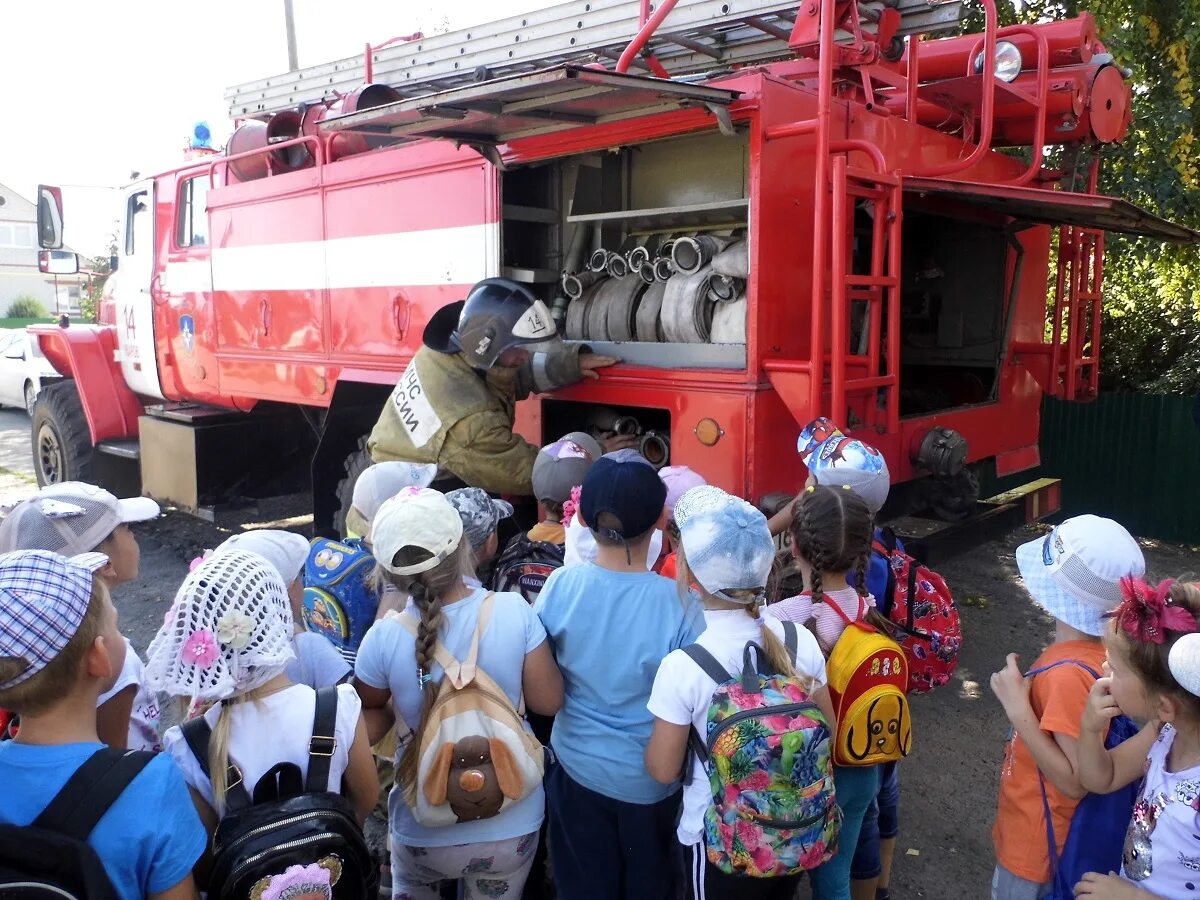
868, 681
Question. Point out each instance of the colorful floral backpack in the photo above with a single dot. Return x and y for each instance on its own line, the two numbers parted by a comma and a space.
767, 754
927, 623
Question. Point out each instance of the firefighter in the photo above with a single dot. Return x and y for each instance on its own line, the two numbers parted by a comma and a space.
454, 404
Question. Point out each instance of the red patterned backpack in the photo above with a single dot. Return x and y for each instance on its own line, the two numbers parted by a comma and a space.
922, 609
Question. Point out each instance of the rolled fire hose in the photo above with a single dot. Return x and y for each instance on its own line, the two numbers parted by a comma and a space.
691, 254
609, 421
616, 266
656, 448
573, 284
646, 325
577, 313
733, 261
724, 289
729, 322
686, 310
622, 308
598, 261
608, 291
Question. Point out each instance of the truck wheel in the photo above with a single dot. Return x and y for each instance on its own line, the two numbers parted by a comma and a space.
354, 466
62, 441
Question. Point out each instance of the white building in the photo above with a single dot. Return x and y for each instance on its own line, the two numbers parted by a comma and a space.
19, 275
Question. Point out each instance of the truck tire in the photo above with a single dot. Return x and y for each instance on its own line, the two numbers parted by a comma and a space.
62, 441
354, 466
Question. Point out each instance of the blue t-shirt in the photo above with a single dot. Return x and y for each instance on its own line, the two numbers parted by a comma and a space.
610, 632
143, 854
387, 661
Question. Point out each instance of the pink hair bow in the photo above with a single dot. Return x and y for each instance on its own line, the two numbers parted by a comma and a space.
571, 505
1145, 613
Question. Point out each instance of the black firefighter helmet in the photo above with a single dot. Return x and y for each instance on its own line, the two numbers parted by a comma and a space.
498, 314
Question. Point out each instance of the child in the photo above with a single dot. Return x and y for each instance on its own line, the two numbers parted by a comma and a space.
318, 663
480, 515
530, 557
1154, 661
679, 480
227, 640
612, 826
1074, 574
831, 541
418, 543
378, 483
72, 518
60, 649
726, 549
834, 460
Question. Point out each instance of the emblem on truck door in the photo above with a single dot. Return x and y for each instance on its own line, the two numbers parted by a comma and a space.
187, 331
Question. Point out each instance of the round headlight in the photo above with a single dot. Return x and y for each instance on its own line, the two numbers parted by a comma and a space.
1008, 61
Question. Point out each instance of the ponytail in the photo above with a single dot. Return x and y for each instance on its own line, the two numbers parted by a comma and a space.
218, 754
428, 591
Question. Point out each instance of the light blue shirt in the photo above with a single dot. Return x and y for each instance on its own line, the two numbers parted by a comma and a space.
143, 854
610, 630
387, 660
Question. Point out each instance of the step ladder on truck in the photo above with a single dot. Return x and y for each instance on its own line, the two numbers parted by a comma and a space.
769, 211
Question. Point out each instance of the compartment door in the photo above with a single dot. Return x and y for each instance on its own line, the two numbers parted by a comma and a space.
520, 106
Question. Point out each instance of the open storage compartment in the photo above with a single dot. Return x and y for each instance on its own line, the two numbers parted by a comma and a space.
645, 245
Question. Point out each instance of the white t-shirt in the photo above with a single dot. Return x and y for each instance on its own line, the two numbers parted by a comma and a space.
1162, 849
271, 730
318, 663
387, 661
143, 718
683, 691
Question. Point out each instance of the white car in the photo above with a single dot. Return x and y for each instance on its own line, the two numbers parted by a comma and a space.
23, 369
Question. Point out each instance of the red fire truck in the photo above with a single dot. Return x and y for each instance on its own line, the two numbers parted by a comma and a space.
768, 210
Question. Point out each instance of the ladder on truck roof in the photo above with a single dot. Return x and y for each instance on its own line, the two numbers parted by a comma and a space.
698, 36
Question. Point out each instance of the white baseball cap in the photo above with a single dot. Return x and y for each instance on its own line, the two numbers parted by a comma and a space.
415, 517
285, 551
70, 518
726, 541
380, 482
1075, 571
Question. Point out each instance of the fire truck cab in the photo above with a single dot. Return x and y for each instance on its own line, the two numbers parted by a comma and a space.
789, 211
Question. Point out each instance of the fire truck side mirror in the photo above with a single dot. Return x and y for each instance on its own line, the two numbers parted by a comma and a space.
58, 262
50, 217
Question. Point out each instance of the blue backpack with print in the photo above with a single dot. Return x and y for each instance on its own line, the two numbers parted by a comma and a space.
339, 601
1096, 838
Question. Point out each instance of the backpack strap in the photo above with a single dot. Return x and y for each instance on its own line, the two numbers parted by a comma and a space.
91, 791
459, 674
1051, 841
862, 611
708, 663
323, 743
198, 734
791, 638
1063, 662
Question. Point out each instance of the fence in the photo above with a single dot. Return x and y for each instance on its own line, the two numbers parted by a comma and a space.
1132, 457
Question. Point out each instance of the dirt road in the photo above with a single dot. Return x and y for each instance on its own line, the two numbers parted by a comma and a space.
949, 783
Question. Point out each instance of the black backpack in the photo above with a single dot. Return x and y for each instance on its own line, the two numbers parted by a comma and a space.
289, 821
51, 858
525, 565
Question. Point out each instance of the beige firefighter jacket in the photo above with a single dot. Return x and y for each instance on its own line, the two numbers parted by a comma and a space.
443, 411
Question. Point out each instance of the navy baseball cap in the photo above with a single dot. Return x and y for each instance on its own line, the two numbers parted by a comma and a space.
625, 486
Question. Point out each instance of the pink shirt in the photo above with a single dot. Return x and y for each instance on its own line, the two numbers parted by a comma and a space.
829, 625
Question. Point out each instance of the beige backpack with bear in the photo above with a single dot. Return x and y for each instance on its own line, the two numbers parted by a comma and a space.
476, 756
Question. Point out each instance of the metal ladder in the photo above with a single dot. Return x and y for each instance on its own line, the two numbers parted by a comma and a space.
1075, 360
698, 36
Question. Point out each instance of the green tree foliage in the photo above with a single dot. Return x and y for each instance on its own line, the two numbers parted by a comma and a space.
1152, 291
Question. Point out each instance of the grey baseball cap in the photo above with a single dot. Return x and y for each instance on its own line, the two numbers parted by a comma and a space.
561, 466
479, 512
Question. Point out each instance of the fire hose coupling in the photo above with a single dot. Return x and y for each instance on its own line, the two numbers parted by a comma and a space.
691, 254
656, 447
617, 266
637, 258
574, 284
598, 261
942, 452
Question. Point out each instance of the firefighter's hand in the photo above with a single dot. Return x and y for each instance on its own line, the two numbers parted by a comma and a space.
590, 362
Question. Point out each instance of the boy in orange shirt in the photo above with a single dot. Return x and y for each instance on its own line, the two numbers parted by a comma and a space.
1074, 574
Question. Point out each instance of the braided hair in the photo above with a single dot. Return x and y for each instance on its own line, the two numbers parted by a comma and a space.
428, 591
832, 531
